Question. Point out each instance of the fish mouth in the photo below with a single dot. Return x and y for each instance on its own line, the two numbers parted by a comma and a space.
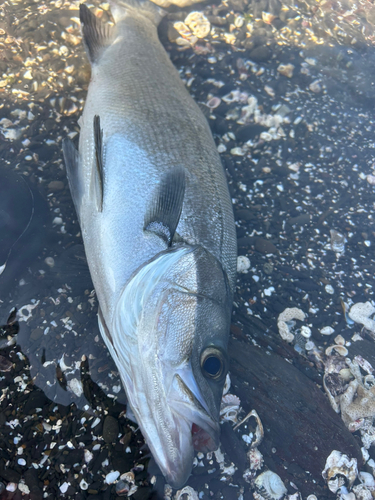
205, 430
193, 430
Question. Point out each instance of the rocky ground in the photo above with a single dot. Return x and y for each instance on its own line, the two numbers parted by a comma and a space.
289, 95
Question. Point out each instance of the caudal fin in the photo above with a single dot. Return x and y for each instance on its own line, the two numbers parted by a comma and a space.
120, 8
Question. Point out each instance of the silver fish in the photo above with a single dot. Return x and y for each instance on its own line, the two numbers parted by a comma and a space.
157, 223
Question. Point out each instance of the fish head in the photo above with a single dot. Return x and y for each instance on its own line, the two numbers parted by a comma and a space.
174, 362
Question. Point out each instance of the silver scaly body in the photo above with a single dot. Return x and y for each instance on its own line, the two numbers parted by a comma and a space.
157, 224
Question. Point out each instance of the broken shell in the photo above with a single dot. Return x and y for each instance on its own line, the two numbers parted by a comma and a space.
214, 102
340, 349
364, 364
369, 381
243, 264
339, 470
226, 384
270, 485
286, 70
327, 330
259, 431
186, 493
199, 24
267, 17
367, 479
291, 313
340, 340
229, 408
255, 458
362, 492
306, 332
338, 241
288, 314
284, 331
361, 312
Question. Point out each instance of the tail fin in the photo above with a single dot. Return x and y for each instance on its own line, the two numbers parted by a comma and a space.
120, 8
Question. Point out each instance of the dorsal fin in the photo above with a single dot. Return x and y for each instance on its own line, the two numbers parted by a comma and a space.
96, 35
97, 183
165, 210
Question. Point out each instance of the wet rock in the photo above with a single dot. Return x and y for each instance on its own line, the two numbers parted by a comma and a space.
9, 475
260, 54
5, 364
110, 429
265, 246
232, 446
36, 400
300, 220
248, 132
56, 185
32, 481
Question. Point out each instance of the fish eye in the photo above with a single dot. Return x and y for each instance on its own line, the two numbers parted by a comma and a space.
213, 363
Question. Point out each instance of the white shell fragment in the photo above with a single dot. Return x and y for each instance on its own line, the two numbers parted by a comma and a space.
306, 332
339, 471
361, 312
367, 479
229, 408
243, 264
286, 70
186, 493
288, 314
255, 458
259, 431
199, 24
337, 241
270, 485
362, 492
327, 330
339, 349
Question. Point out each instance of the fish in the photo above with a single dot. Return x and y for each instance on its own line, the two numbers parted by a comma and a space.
156, 218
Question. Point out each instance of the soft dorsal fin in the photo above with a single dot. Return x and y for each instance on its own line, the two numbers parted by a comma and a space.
165, 210
97, 182
96, 35
71, 164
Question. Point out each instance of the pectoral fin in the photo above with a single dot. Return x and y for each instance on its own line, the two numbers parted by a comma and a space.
71, 159
165, 211
96, 35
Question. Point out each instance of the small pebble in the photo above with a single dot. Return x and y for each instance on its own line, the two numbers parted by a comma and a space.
64, 487
56, 185
111, 477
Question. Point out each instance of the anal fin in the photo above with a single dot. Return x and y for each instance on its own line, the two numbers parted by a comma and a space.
71, 159
165, 210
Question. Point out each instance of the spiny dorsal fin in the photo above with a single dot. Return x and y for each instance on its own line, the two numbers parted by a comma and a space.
98, 175
164, 213
96, 35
